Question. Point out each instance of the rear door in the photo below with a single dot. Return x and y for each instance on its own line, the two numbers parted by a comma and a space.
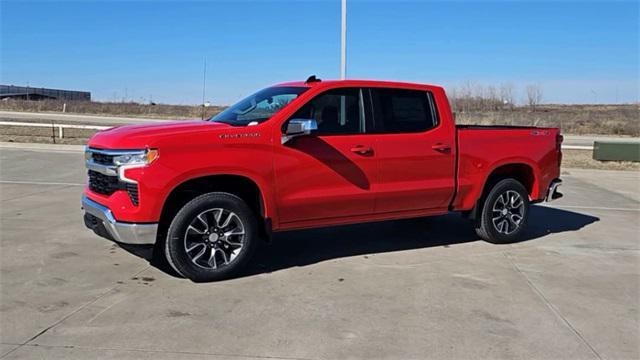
415, 152
330, 173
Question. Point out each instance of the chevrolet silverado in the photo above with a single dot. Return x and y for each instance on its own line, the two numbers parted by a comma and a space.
310, 154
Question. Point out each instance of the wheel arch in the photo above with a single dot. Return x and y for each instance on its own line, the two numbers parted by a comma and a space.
521, 171
242, 186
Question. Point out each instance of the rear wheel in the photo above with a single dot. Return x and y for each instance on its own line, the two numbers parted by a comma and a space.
212, 237
504, 213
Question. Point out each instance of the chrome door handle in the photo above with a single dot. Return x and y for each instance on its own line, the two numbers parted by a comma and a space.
441, 147
362, 150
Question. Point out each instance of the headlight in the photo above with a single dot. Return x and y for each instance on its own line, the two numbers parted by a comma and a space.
145, 157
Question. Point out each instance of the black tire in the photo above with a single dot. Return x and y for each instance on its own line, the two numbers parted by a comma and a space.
180, 237
503, 227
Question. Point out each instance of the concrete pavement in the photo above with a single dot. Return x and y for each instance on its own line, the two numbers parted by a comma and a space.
411, 289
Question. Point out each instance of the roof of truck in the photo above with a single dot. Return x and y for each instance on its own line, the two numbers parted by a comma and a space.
359, 83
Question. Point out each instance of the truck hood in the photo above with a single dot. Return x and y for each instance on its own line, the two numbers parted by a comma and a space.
149, 135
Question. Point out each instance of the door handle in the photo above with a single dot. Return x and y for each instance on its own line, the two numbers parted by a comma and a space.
362, 150
441, 147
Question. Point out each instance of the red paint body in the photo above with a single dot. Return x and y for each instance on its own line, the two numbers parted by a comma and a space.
323, 180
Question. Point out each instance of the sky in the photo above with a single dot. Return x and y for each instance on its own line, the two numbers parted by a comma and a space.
576, 51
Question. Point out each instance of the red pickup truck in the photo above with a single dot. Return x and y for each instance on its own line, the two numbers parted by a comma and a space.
310, 154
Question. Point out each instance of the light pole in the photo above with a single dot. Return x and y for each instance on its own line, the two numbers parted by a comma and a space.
204, 85
343, 42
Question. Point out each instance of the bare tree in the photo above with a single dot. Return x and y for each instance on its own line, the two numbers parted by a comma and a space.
466, 93
491, 94
474, 97
507, 95
534, 96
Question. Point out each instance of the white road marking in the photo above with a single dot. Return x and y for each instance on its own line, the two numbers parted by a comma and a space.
39, 183
592, 208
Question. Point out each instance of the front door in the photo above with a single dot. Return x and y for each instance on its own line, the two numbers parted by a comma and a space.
328, 174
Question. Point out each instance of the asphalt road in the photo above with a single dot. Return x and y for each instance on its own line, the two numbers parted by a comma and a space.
412, 289
570, 140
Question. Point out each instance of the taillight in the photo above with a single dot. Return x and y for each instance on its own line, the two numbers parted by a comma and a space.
559, 140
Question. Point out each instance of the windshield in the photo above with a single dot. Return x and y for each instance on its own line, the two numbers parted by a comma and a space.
259, 107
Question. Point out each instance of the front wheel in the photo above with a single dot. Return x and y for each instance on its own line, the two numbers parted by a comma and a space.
212, 237
504, 213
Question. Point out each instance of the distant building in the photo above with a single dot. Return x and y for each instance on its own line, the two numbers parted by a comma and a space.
32, 93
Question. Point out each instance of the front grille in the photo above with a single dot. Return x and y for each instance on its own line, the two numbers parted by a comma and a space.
107, 185
103, 159
132, 190
103, 184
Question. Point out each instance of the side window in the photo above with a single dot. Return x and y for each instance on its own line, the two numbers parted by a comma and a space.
337, 112
403, 111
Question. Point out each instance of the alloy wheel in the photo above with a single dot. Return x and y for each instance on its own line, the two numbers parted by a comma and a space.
508, 212
214, 238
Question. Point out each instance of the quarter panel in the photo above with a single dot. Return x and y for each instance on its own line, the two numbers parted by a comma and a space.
482, 151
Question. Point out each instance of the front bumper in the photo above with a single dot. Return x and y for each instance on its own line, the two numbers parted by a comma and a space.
99, 218
553, 193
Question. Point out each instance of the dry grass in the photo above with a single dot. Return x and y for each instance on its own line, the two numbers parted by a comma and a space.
583, 159
161, 111
43, 135
572, 119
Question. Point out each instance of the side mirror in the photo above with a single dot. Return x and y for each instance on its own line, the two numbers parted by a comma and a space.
299, 127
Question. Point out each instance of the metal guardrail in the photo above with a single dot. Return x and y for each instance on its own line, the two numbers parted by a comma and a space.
577, 147
95, 127
60, 127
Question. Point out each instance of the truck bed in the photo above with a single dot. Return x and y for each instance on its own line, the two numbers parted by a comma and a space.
482, 149
498, 127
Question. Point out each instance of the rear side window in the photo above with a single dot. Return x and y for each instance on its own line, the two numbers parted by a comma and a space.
403, 111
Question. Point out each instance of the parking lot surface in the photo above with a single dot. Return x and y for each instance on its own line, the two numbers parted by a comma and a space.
411, 289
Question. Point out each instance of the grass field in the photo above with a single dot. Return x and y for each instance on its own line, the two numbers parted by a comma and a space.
125, 109
572, 119
622, 120
583, 159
